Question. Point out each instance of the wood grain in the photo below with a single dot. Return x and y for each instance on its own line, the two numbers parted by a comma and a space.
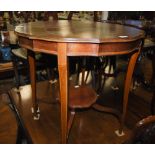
76, 38
77, 31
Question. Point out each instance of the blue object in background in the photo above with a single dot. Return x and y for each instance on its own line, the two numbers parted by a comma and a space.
6, 53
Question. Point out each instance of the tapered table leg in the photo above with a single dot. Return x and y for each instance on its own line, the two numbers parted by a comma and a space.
32, 67
63, 78
130, 69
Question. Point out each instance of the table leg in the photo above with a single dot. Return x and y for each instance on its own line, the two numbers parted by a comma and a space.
63, 78
15, 68
131, 66
32, 66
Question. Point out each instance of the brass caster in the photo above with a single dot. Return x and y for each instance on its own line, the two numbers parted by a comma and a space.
36, 117
32, 110
119, 134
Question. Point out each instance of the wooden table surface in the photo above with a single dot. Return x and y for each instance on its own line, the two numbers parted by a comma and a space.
77, 38
77, 31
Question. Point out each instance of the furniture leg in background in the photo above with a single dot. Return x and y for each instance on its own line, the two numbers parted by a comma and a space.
32, 65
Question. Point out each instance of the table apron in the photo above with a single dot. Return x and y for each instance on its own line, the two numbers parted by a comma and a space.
80, 49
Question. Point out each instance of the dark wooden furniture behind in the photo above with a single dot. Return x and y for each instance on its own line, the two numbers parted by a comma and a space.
143, 132
148, 49
76, 38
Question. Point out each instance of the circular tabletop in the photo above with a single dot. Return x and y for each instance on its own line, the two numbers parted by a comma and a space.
78, 31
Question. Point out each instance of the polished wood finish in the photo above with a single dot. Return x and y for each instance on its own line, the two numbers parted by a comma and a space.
63, 78
128, 79
40, 131
8, 124
32, 66
85, 128
46, 129
76, 38
77, 31
81, 97
46, 101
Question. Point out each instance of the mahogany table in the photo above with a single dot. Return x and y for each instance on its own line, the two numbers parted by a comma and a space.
75, 38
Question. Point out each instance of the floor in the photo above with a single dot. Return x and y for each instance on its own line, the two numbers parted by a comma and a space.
91, 126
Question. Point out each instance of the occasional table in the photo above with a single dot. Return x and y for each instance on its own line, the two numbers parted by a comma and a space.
76, 38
